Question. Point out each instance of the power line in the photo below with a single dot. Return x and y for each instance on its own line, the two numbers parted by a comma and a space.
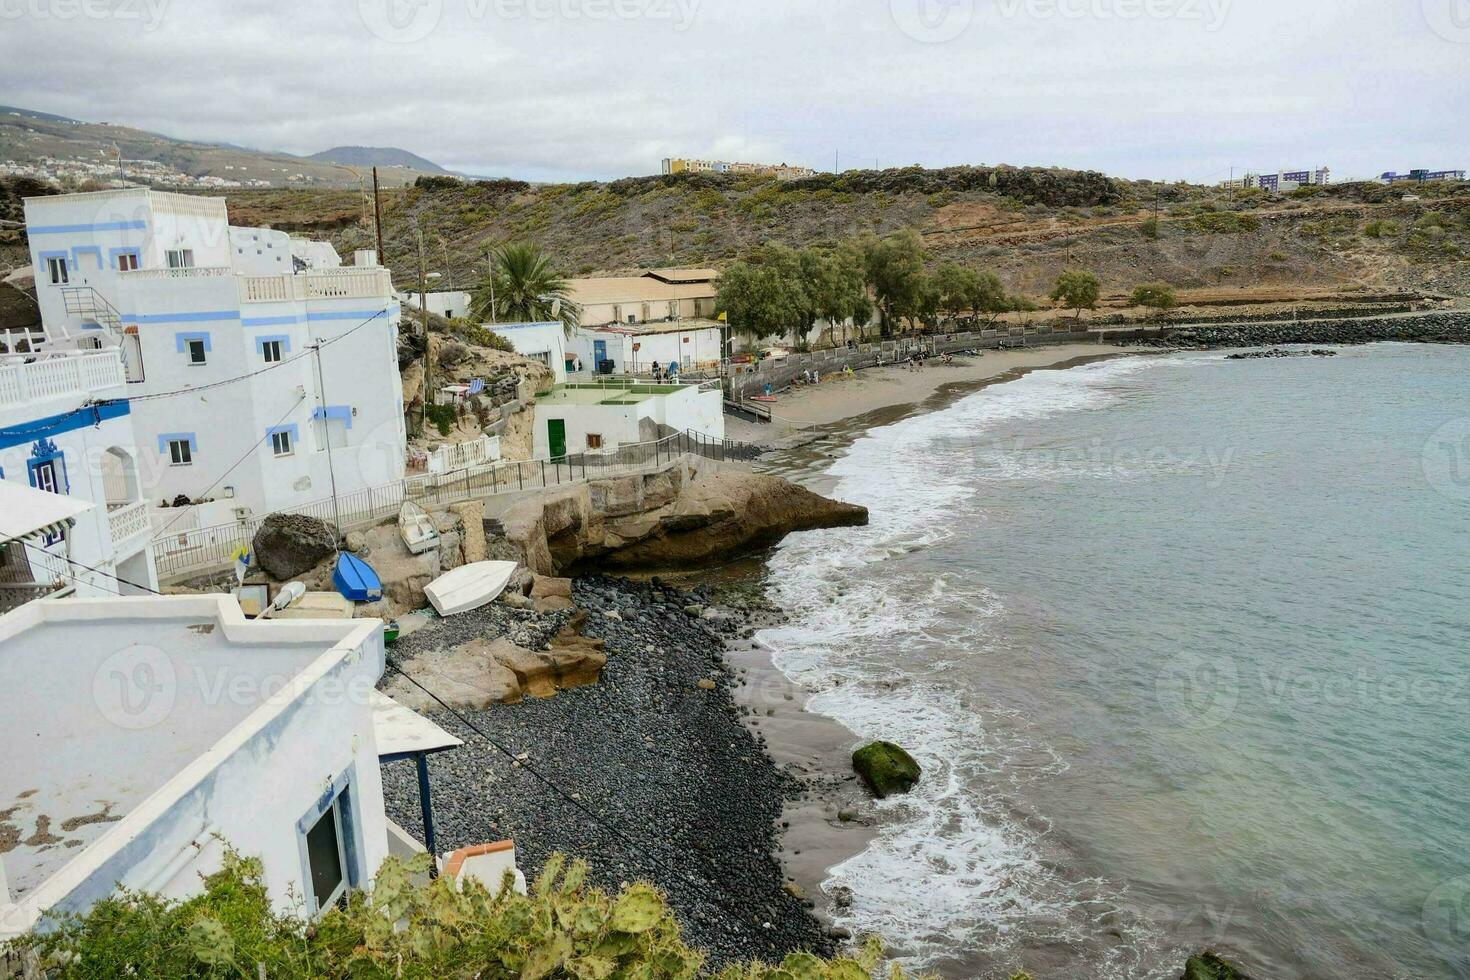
591, 814
97, 571
269, 367
233, 466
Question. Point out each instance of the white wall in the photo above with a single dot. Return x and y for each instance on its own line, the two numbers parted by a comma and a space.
688, 348
544, 342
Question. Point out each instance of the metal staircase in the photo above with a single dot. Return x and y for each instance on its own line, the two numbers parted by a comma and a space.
89, 306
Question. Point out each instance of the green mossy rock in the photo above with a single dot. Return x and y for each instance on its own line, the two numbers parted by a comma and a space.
1209, 966
886, 768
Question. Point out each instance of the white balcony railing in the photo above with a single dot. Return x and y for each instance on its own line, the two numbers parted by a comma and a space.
206, 272
129, 521
58, 376
344, 283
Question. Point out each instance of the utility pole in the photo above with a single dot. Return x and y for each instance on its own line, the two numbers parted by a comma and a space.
378, 215
490, 271
424, 310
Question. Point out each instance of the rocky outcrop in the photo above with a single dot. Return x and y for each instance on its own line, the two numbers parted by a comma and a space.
886, 768
288, 545
677, 518
482, 672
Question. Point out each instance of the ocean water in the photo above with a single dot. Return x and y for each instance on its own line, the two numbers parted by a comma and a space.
1183, 645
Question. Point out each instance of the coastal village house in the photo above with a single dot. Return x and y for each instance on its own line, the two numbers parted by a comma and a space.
603, 415
73, 519
453, 304
246, 352
664, 316
543, 342
145, 735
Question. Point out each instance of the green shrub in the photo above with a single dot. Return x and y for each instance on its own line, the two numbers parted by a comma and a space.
1225, 222
1149, 228
563, 929
441, 417
1380, 229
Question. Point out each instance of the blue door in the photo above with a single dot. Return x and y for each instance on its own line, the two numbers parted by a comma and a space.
599, 354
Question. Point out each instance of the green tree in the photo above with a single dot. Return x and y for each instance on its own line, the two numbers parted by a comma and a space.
762, 295
523, 287
896, 274
957, 287
988, 296
1156, 296
833, 284
1077, 290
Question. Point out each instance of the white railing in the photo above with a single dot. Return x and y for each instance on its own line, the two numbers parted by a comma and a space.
344, 283
462, 455
58, 376
201, 272
129, 521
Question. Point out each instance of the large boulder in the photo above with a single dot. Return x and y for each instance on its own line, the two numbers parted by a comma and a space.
886, 768
288, 545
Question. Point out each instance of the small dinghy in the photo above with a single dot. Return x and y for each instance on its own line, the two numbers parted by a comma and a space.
356, 580
469, 586
417, 528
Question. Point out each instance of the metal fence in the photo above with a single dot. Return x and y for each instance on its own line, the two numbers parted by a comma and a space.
201, 550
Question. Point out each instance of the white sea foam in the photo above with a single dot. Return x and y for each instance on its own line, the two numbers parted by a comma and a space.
944, 873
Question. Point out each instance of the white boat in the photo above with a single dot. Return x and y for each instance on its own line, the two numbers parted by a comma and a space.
469, 586
417, 528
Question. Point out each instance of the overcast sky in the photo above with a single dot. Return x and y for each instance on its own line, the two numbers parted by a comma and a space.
590, 89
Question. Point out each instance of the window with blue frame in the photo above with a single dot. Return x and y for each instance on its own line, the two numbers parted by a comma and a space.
329, 847
47, 471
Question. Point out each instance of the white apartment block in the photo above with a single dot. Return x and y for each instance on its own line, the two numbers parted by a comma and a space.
73, 519
248, 353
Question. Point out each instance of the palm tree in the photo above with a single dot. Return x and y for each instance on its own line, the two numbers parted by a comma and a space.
522, 287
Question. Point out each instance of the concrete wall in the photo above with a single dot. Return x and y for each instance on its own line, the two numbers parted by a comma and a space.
688, 348
544, 342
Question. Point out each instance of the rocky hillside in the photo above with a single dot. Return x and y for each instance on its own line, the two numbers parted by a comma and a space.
1024, 224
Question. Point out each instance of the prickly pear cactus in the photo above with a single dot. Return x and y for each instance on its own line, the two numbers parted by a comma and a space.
637, 910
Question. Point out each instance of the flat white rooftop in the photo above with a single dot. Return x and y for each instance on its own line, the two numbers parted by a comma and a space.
104, 703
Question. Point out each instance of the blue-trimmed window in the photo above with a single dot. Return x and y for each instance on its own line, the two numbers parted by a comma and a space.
78, 251
47, 471
196, 345
179, 447
327, 838
282, 439
57, 266
273, 349
126, 259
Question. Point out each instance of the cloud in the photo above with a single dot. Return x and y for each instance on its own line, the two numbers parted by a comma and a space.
577, 89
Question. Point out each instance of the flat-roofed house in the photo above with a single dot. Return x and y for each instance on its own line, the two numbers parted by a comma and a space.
663, 316
144, 735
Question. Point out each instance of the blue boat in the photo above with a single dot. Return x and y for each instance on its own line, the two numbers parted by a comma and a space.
356, 580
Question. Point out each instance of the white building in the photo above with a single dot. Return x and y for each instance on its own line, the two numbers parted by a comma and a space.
247, 352
453, 304
143, 735
635, 349
543, 342
599, 417
72, 515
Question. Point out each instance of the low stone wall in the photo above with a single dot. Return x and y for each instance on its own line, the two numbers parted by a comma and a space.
780, 373
1448, 327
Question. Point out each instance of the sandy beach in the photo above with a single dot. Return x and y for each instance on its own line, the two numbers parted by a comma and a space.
839, 397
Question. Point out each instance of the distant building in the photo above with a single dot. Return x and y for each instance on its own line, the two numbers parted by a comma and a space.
781, 171
663, 317
236, 313
542, 342
1421, 175
1282, 181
